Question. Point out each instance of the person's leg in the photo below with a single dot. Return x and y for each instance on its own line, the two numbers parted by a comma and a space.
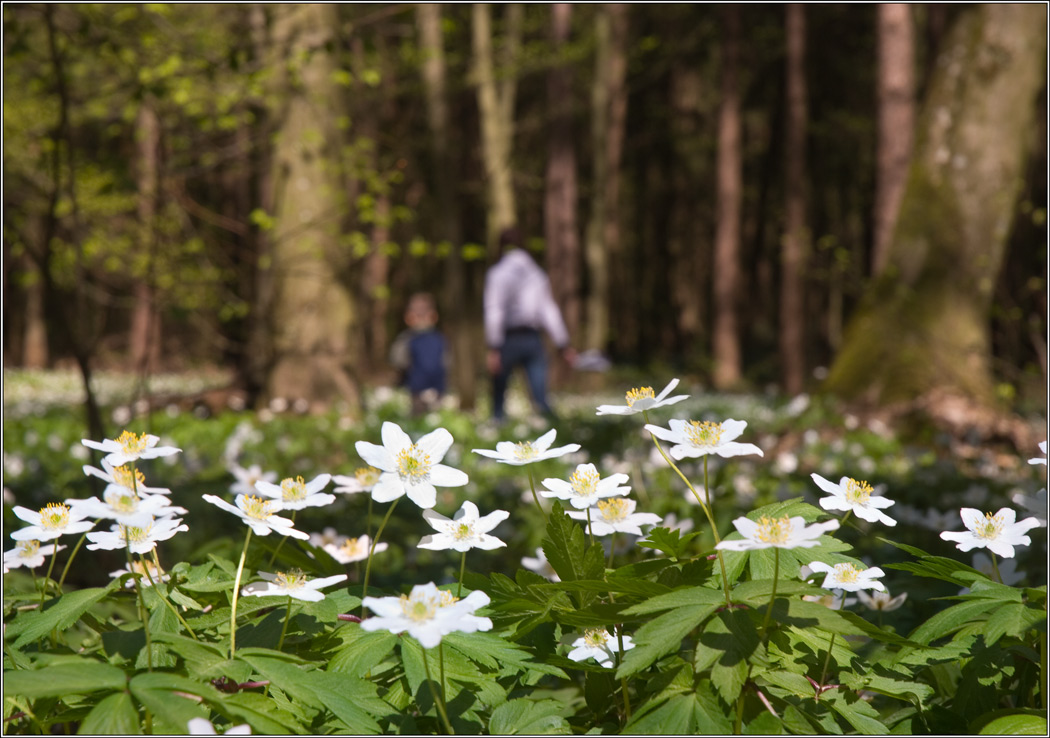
535, 361
500, 379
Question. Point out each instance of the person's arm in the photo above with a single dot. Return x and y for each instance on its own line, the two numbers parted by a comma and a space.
495, 316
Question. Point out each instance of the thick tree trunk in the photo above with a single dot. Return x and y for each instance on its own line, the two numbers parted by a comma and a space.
563, 242
794, 243
496, 109
895, 123
456, 315
730, 194
609, 123
144, 340
313, 314
924, 324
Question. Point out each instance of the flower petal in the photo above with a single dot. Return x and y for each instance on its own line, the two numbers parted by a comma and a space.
446, 476
436, 444
377, 456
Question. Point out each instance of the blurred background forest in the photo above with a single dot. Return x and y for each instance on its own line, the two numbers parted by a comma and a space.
844, 197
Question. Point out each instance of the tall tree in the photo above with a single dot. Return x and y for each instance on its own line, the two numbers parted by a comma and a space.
924, 324
145, 317
456, 304
895, 103
313, 313
560, 205
730, 193
496, 108
608, 128
794, 243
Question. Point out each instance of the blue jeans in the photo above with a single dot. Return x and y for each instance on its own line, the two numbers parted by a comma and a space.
522, 347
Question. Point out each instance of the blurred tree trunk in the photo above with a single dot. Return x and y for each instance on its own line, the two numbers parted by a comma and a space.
144, 339
608, 127
895, 122
313, 313
924, 324
35, 353
730, 193
496, 109
794, 243
456, 315
563, 242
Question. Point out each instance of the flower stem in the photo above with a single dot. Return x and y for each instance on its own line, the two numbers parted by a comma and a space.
438, 701
612, 548
47, 579
462, 568
284, 628
236, 592
532, 486
623, 680
995, 567
772, 596
142, 605
278, 549
371, 550
590, 531
824, 671
65, 569
157, 588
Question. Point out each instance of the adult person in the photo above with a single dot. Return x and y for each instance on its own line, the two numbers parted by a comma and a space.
518, 305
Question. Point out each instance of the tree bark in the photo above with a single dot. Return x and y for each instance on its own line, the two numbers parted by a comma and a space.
730, 203
924, 324
145, 318
895, 99
794, 243
608, 127
563, 242
313, 314
496, 109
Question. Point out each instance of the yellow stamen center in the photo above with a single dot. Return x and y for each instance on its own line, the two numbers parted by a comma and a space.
121, 501
846, 572
124, 476
28, 549
132, 444
705, 434
413, 464
131, 534
257, 508
639, 393
463, 531
354, 547
419, 607
990, 527
773, 530
54, 516
293, 579
858, 492
595, 637
447, 598
584, 482
367, 476
524, 451
616, 508
293, 490
140, 567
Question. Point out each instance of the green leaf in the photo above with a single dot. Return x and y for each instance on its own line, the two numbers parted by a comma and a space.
1011, 619
493, 651
156, 692
524, 717
661, 636
916, 692
58, 614
950, 620
757, 592
115, 715
856, 711
673, 717
62, 679
361, 651
688, 597
1013, 722
568, 553
261, 713
727, 642
670, 542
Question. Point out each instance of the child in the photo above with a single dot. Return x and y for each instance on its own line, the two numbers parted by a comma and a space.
419, 354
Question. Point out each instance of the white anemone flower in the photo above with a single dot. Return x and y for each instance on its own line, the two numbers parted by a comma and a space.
348, 550
28, 553
693, 438
540, 565
1034, 504
410, 468
858, 496
54, 519
364, 479
203, 726
427, 613
881, 601
641, 399
258, 514
835, 600
141, 566
295, 494
999, 533
292, 584
125, 507
129, 446
122, 478
528, 452
598, 644
616, 515
140, 539
246, 478
1040, 459
847, 577
784, 532
585, 487
465, 531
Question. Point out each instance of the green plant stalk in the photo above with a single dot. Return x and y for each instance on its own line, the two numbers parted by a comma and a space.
371, 551
279, 545
284, 628
1042, 666
462, 568
236, 592
995, 566
47, 578
65, 570
623, 680
439, 702
824, 671
142, 605
773, 595
532, 486
590, 531
612, 548
160, 591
